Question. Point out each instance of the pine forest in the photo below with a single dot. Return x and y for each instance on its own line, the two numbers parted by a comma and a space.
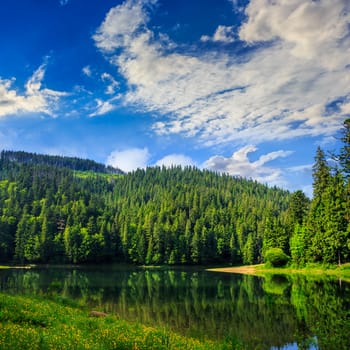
69, 210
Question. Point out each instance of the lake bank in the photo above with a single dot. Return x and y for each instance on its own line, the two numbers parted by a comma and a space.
261, 269
210, 308
33, 323
255, 270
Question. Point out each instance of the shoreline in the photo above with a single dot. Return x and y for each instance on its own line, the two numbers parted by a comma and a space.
261, 270
245, 270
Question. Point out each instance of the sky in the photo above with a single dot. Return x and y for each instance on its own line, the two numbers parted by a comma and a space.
248, 88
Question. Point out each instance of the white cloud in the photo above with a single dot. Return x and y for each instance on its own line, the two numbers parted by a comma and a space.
345, 108
240, 165
121, 25
278, 91
134, 158
309, 27
308, 190
301, 168
129, 159
35, 99
112, 83
175, 159
103, 107
87, 71
224, 34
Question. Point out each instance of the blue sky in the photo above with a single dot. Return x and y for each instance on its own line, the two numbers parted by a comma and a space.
249, 88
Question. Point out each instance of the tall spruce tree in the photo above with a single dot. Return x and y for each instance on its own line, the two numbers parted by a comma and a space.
321, 174
344, 156
344, 159
299, 206
335, 236
316, 219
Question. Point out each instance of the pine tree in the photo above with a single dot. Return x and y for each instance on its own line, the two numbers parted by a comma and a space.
320, 174
298, 245
335, 236
316, 218
344, 159
344, 156
299, 206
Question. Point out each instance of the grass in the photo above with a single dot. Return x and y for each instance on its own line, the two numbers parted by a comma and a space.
342, 271
34, 323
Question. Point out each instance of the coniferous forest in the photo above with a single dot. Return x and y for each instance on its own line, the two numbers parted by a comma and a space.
69, 210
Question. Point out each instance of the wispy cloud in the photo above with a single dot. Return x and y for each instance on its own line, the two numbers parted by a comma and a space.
224, 34
102, 107
87, 71
279, 90
303, 173
301, 168
112, 84
129, 159
35, 98
240, 165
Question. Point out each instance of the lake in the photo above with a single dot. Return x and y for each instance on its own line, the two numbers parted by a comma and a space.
276, 312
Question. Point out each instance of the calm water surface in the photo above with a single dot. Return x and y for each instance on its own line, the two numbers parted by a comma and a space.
277, 312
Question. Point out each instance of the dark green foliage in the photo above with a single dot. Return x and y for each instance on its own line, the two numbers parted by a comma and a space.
72, 163
321, 174
276, 257
154, 216
298, 245
57, 209
323, 235
299, 206
344, 156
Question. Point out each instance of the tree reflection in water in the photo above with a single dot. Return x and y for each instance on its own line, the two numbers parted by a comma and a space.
261, 313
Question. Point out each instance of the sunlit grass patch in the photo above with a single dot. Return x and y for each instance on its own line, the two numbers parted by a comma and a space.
27, 323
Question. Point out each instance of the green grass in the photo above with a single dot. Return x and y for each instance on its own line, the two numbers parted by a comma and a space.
310, 270
33, 323
342, 271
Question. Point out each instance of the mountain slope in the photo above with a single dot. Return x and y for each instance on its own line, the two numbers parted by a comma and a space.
49, 213
72, 163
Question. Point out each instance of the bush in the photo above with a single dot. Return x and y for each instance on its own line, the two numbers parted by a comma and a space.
276, 257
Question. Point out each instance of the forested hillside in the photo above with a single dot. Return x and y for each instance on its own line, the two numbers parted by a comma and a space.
51, 213
72, 163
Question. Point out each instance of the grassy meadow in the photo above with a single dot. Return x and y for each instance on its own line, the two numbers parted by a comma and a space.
34, 323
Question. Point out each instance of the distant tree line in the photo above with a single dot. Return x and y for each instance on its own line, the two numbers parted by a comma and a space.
51, 213
72, 163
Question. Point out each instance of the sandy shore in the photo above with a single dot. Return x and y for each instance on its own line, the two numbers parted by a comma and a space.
246, 270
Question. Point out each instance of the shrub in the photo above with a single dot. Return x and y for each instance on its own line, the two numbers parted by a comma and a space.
276, 257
